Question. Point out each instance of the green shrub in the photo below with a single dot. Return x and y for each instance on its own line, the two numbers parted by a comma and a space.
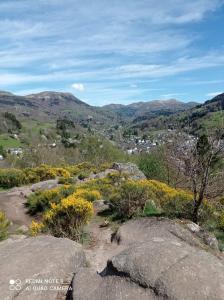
16, 177
83, 175
152, 166
40, 201
4, 225
12, 177
130, 199
69, 180
150, 209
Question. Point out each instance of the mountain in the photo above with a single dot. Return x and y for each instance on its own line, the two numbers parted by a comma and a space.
149, 109
47, 106
52, 105
208, 115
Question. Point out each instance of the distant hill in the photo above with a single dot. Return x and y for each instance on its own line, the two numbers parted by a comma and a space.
208, 115
149, 109
48, 106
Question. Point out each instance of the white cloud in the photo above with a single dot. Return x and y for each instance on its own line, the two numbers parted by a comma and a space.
213, 94
78, 87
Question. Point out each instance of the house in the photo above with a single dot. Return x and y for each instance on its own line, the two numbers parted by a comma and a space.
15, 151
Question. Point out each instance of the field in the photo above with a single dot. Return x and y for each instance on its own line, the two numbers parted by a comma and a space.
8, 142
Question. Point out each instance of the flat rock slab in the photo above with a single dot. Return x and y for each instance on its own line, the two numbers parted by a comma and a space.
107, 288
160, 259
173, 270
38, 268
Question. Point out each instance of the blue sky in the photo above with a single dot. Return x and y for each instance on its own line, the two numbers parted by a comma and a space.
113, 51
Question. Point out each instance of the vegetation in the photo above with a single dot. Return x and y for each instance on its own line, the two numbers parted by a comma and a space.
16, 177
4, 225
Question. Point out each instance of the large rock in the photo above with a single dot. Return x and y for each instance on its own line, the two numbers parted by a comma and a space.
147, 229
173, 270
131, 169
44, 185
107, 288
161, 259
38, 268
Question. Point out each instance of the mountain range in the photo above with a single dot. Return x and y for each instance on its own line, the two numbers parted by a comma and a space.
50, 106
54, 104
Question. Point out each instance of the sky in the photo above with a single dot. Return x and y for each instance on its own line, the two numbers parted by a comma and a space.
113, 51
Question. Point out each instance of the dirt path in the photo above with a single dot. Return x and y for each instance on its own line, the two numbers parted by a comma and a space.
100, 249
12, 203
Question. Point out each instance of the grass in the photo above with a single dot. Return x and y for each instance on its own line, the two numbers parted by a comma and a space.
214, 120
9, 142
35, 126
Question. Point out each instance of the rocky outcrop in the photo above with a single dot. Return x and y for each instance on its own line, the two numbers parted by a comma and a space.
161, 259
38, 268
131, 169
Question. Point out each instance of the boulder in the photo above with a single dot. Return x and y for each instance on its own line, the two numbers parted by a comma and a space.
44, 185
131, 169
147, 229
107, 288
38, 268
160, 259
173, 270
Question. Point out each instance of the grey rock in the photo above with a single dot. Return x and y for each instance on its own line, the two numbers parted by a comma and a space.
193, 227
23, 228
147, 229
31, 262
173, 270
107, 288
44, 185
160, 259
100, 205
207, 237
131, 169
13, 237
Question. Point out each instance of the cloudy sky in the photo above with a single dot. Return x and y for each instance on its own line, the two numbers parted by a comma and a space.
113, 51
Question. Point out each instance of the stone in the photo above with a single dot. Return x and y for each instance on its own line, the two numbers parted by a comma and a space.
31, 264
23, 228
158, 259
173, 270
193, 227
44, 185
107, 288
100, 205
131, 169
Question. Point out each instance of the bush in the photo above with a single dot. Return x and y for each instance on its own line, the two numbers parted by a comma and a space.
151, 209
67, 218
16, 177
221, 220
12, 177
41, 200
4, 225
152, 166
130, 199
89, 195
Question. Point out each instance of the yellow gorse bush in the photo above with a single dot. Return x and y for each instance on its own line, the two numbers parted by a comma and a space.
4, 224
67, 217
88, 194
35, 228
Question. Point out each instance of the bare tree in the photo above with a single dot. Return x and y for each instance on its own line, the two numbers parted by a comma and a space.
200, 161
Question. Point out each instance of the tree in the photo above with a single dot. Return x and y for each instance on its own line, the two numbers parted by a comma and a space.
201, 161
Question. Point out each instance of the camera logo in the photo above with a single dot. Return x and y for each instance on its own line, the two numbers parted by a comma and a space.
15, 284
